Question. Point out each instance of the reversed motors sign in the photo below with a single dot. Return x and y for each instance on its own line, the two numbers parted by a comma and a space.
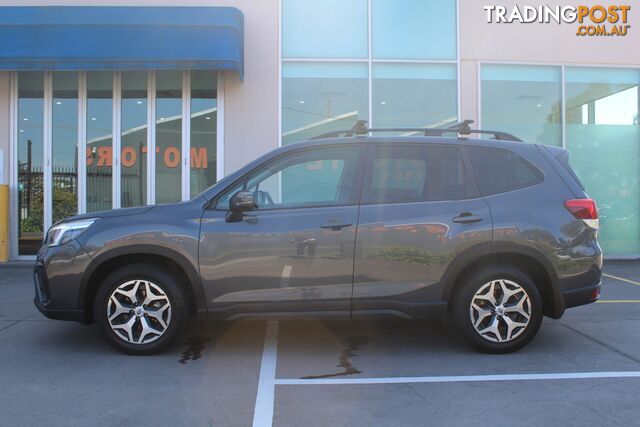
598, 20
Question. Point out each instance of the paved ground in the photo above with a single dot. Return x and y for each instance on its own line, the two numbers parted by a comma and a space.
320, 373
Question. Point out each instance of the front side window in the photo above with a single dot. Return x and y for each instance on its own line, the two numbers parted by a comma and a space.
307, 178
500, 170
412, 173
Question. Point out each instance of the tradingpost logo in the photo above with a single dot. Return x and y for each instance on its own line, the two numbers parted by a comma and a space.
591, 21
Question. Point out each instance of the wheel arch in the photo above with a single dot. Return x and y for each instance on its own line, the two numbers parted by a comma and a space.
526, 259
175, 263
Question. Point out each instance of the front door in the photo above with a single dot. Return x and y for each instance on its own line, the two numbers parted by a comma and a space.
294, 252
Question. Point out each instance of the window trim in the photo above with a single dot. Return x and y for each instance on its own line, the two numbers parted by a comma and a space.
466, 161
354, 199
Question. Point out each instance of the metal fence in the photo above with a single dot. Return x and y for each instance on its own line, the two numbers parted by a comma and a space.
65, 190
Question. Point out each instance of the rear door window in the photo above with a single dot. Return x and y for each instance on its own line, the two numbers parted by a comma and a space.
409, 173
499, 170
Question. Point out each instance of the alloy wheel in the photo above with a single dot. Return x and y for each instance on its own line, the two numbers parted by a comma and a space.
500, 310
139, 311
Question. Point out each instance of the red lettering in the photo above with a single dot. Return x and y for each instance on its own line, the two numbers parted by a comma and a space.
104, 156
199, 158
171, 157
128, 157
89, 156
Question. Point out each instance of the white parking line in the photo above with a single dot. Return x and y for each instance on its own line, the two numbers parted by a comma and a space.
462, 378
622, 279
263, 413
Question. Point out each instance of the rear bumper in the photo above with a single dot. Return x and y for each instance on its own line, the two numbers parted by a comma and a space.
582, 296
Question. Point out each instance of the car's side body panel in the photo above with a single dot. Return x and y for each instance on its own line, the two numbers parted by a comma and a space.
407, 256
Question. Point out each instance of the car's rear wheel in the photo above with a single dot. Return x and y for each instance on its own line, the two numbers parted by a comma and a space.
498, 310
140, 309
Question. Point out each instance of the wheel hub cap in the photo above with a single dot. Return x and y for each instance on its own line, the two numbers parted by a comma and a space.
500, 310
139, 311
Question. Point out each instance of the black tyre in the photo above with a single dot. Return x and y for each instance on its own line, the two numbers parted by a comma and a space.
497, 309
140, 309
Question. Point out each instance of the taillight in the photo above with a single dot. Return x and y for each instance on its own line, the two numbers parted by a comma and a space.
584, 209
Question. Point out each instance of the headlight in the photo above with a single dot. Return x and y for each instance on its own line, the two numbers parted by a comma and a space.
66, 231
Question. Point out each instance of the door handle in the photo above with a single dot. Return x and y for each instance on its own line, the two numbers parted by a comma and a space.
467, 218
336, 226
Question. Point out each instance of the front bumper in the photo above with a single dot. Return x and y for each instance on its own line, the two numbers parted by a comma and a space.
57, 277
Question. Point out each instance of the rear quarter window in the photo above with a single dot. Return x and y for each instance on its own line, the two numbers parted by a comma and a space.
500, 170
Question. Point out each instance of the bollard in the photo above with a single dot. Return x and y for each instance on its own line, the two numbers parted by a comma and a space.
4, 223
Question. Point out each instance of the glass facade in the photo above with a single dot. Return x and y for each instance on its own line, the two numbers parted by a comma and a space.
203, 130
51, 108
602, 132
324, 29
403, 94
99, 140
603, 136
319, 97
169, 136
133, 139
524, 100
343, 63
30, 162
64, 145
402, 27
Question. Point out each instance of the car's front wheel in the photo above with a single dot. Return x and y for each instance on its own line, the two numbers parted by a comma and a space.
498, 310
140, 309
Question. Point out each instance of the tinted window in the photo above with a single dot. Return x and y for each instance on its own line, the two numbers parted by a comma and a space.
307, 178
500, 170
411, 173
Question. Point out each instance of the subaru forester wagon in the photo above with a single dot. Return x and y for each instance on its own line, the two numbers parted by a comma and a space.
493, 233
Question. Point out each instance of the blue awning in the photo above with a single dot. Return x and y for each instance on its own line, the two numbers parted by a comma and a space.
91, 38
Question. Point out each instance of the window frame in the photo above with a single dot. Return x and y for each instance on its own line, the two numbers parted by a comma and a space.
365, 199
354, 198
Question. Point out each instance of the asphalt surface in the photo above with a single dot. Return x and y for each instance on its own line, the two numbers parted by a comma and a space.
61, 373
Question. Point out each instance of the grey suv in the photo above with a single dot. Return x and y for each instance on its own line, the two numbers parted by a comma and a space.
494, 233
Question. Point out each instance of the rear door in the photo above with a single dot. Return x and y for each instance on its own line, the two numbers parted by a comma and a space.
420, 208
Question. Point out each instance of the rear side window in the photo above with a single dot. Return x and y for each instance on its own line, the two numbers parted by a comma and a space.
499, 170
402, 173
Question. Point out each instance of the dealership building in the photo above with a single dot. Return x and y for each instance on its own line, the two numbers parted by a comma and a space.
110, 104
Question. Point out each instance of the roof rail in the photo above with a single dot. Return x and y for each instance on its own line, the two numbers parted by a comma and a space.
462, 129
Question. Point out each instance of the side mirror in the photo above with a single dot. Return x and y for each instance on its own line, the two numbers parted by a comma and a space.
242, 201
